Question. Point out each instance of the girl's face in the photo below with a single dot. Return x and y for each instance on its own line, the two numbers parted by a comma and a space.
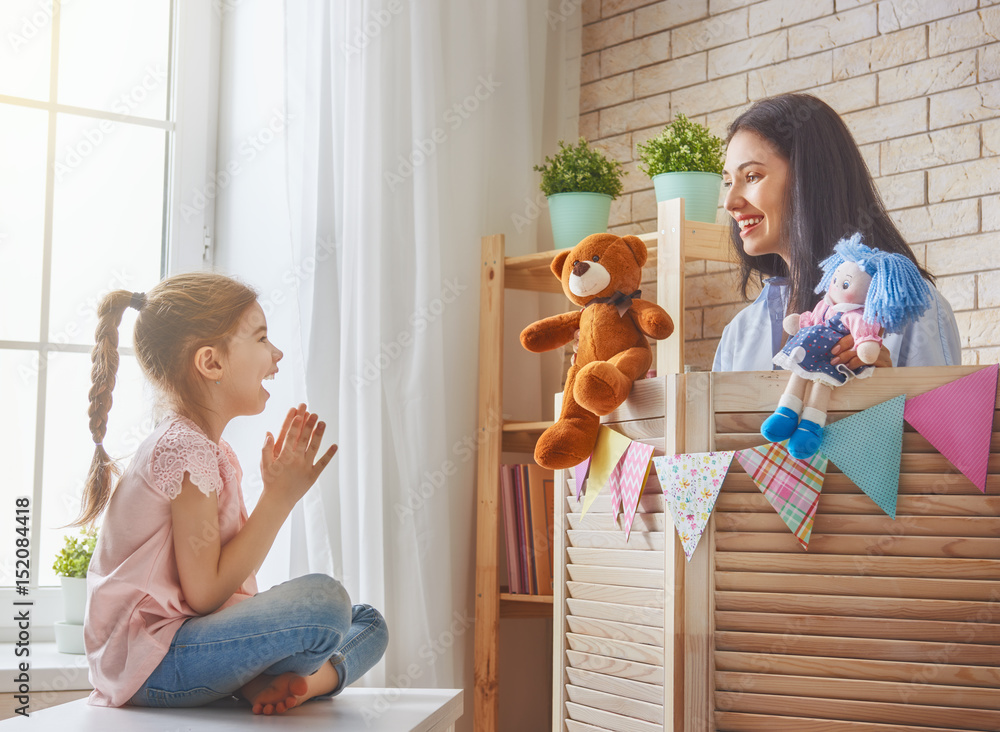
250, 359
755, 178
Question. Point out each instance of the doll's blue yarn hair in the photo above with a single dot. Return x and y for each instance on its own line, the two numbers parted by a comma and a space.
898, 295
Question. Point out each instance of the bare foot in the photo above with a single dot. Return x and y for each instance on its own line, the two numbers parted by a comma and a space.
278, 694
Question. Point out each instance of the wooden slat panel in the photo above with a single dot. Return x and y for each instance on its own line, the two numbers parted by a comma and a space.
610, 593
857, 503
651, 501
980, 569
855, 668
573, 726
737, 481
616, 540
605, 522
829, 523
649, 431
889, 628
629, 708
618, 631
648, 578
929, 589
614, 611
652, 693
897, 546
873, 607
609, 720
647, 673
867, 648
741, 722
887, 691
860, 711
742, 439
616, 558
645, 401
616, 649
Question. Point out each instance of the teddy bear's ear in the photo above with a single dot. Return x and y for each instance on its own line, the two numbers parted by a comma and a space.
638, 248
559, 261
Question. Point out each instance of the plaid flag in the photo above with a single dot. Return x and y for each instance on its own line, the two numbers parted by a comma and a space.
791, 486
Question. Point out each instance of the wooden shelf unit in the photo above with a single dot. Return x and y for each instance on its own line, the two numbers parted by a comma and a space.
674, 242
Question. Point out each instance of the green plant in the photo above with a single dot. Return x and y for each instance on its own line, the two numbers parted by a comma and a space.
683, 145
580, 168
73, 559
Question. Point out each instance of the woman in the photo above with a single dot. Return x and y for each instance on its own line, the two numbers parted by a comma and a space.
796, 184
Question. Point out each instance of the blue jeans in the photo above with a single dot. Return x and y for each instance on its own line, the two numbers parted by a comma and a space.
296, 626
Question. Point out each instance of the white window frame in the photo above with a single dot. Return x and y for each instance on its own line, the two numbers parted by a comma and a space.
188, 236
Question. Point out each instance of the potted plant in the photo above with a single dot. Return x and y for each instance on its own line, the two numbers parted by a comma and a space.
685, 161
71, 565
579, 183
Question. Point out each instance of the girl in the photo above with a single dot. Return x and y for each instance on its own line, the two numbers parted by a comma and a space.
173, 615
796, 185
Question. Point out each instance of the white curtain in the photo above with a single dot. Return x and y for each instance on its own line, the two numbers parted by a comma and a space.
408, 130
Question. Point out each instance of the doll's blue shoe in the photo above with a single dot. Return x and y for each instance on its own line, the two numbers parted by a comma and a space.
780, 425
806, 440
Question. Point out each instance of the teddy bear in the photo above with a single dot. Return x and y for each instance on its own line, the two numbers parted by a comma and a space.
601, 274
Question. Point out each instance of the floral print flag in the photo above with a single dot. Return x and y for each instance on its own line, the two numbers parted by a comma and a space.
691, 485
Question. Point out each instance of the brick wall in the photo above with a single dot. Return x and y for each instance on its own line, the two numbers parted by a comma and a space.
916, 81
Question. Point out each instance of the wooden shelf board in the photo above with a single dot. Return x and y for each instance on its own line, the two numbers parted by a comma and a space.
538, 427
525, 606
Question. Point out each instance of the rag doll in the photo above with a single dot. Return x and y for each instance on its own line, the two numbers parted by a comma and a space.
868, 292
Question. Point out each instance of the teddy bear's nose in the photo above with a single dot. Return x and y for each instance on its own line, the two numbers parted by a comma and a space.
580, 268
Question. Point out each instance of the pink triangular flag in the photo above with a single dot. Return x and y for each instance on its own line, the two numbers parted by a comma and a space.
579, 476
957, 419
630, 477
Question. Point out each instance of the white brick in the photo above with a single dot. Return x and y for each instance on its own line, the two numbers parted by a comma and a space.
930, 149
635, 54
692, 324
983, 329
941, 221
670, 75
590, 11
834, 32
799, 75
901, 191
871, 155
606, 92
590, 68
989, 289
888, 120
991, 213
709, 290
711, 96
927, 77
607, 33
718, 122
590, 125
773, 14
959, 291
635, 115
668, 14
879, 53
991, 137
989, 62
964, 31
617, 7
981, 101
750, 54
699, 355
717, 7
963, 255
896, 14
850, 95
713, 32
618, 147
621, 211
644, 204
635, 179
975, 178
717, 318
842, 5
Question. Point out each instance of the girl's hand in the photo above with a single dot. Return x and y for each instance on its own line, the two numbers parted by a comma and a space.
844, 352
290, 470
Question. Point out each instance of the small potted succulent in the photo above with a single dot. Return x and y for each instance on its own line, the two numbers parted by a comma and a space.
685, 161
71, 565
580, 183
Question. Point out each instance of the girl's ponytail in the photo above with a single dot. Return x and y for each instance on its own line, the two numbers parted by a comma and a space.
103, 470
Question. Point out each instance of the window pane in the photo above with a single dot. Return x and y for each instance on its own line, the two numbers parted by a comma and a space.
22, 220
113, 56
107, 220
69, 447
25, 49
19, 372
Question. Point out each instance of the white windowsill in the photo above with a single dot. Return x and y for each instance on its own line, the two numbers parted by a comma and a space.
49, 670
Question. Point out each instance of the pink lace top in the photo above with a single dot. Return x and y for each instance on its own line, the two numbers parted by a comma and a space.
134, 600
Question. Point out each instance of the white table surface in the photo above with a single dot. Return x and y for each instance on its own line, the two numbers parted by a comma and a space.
365, 710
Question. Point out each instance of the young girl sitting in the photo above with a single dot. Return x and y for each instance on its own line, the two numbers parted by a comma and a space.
173, 615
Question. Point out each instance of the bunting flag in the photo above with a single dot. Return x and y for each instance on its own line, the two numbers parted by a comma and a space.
866, 447
608, 451
628, 478
580, 476
957, 419
691, 485
791, 486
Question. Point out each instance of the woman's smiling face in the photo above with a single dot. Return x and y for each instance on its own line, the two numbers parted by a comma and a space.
756, 179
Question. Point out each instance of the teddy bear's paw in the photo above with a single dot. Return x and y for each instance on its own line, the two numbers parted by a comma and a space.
565, 444
601, 388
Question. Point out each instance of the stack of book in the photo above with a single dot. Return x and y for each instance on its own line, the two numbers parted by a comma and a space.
527, 495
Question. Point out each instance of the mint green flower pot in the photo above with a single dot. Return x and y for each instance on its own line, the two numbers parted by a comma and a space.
699, 190
575, 216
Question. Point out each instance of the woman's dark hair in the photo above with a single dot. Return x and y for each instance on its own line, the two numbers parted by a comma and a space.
830, 194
